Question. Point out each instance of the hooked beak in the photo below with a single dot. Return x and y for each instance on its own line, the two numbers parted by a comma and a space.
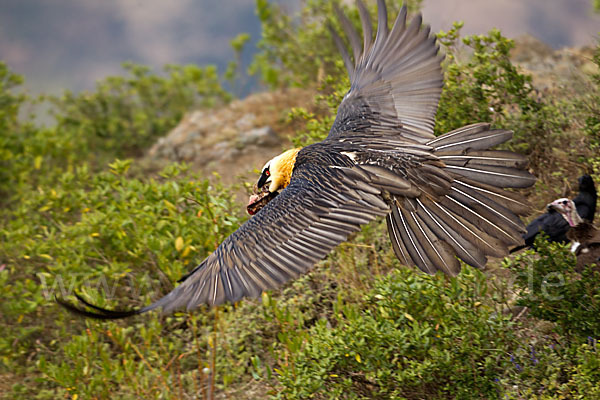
259, 199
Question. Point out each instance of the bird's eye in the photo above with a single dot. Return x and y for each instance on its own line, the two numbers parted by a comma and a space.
267, 172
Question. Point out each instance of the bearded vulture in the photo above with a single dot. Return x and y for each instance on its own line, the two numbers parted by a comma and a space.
443, 198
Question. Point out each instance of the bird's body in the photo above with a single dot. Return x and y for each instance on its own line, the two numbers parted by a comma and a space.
443, 197
583, 234
554, 225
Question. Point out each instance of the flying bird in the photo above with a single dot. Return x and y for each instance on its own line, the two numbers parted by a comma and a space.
443, 197
552, 222
584, 236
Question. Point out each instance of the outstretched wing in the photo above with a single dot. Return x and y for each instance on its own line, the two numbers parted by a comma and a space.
396, 81
315, 213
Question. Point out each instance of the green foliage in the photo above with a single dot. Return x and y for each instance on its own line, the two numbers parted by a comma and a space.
549, 286
9, 101
10, 104
68, 221
120, 119
93, 227
299, 51
125, 114
591, 104
546, 369
487, 87
233, 74
315, 128
487, 84
414, 336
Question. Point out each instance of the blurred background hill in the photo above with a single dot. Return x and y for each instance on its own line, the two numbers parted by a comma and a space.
69, 44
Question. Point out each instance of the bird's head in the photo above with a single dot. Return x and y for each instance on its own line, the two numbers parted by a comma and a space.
275, 176
567, 209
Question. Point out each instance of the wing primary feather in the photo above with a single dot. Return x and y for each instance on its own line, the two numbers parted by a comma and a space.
382, 23
436, 251
365, 19
514, 202
251, 289
350, 32
500, 176
339, 43
494, 208
492, 229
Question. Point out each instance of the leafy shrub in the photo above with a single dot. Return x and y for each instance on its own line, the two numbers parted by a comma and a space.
120, 119
414, 336
591, 104
125, 114
483, 87
547, 369
10, 128
548, 285
481, 84
298, 52
145, 234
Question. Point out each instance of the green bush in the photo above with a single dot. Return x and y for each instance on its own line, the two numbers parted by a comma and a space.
125, 114
299, 51
591, 104
550, 369
121, 118
107, 225
414, 336
485, 86
547, 283
10, 128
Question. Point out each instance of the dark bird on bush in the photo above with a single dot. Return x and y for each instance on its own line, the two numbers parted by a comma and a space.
584, 236
443, 197
554, 225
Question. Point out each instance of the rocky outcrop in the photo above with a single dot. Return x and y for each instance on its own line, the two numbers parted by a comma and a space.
552, 69
235, 139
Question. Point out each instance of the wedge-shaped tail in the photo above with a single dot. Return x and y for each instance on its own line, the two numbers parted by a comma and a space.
476, 217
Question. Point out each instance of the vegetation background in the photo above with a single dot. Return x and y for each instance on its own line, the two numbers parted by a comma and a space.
79, 209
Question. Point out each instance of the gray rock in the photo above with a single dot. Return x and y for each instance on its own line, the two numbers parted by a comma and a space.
264, 136
246, 122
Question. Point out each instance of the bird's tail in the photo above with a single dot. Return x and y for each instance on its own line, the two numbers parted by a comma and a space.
468, 212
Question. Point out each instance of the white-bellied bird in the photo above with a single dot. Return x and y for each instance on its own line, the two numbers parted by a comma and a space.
554, 225
585, 238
